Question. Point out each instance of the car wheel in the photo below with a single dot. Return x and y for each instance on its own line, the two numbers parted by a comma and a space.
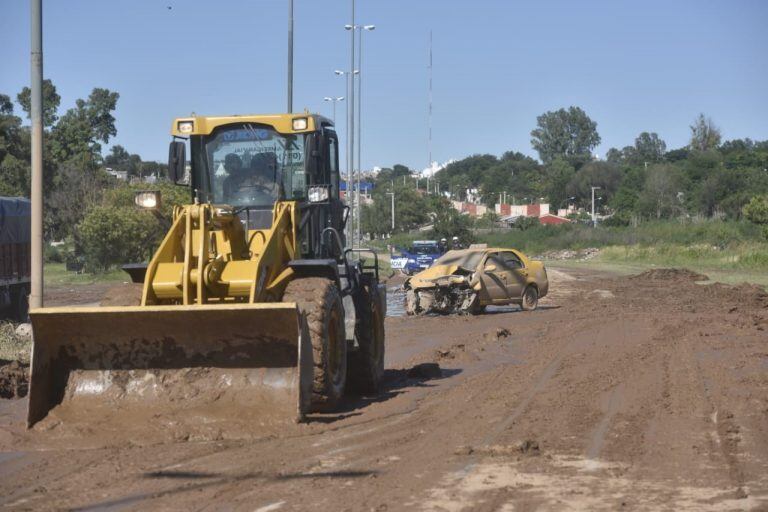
530, 298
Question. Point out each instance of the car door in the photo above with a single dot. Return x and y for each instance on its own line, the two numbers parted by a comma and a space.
517, 277
493, 279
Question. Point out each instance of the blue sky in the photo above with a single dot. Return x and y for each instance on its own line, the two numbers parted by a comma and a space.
632, 66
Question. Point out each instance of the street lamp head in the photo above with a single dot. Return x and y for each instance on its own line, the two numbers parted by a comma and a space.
338, 71
340, 98
348, 27
327, 98
369, 27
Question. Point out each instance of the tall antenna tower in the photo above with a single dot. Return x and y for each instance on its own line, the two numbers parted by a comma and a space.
430, 102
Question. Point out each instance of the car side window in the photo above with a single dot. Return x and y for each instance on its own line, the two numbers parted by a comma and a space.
495, 259
512, 261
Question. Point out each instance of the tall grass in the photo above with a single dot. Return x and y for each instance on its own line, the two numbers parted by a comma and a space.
703, 244
740, 256
720, 234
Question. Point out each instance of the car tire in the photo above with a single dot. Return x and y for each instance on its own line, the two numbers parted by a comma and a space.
530, 299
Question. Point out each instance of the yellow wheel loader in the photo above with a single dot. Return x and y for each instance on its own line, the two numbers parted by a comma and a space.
251, 307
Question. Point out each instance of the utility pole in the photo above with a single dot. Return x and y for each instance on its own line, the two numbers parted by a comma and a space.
594, 219
36, 115
290, 56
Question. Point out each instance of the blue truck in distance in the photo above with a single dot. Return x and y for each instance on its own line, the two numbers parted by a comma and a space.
419, 256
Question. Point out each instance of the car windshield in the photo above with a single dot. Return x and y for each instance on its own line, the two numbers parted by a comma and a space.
250, 165
424, 249
465, 259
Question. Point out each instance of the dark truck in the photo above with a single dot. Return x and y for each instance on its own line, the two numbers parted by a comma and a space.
15, 263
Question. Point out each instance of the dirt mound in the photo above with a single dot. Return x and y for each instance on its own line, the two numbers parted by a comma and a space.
14, 379
670, 274
125, 294
746, 296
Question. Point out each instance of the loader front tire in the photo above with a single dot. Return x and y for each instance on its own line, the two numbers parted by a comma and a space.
319, 300
366, 364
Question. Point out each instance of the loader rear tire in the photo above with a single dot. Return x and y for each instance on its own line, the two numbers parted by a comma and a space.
319, 300
366, 364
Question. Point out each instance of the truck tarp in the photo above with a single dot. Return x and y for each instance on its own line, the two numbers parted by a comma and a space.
15, 223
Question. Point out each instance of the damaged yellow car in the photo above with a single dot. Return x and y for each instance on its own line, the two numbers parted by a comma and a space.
466, 281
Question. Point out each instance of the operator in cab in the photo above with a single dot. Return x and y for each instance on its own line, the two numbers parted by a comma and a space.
259, 182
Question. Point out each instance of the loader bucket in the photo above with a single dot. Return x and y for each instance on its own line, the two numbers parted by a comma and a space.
205, 365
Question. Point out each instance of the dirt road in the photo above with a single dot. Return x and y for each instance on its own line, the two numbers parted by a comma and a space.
632, 393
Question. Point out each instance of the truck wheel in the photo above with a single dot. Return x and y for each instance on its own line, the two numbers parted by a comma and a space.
20, 304
366, 364
319, 300
530, 298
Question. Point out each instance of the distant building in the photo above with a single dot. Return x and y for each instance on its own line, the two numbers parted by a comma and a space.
120, 175
548, 218
522, 210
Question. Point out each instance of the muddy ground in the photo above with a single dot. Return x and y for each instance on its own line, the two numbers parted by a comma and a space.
633, 393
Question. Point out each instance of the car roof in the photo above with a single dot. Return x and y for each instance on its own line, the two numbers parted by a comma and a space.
483, 249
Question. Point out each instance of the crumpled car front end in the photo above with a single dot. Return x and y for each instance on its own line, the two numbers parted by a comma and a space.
443, 289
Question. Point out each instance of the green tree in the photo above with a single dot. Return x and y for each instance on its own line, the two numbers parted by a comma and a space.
569, 134
410, 209
449, 223
649, 148
559, 173
75, 189
660, 197
594, 174
756, 211
119, 159
81, 129
51, 101
705, 135
14, 151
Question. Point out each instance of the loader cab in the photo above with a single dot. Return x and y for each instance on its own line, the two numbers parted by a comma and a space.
252, 162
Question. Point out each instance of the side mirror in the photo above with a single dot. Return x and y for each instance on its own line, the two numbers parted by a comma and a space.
177, 160
490, 268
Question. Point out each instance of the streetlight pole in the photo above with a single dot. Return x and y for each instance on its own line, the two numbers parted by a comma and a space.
333, 101
359, 29
351, 104
392, 194
36, 111
349, 77
594, 219
290, 56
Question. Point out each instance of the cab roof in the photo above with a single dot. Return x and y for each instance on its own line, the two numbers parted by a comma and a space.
282, 123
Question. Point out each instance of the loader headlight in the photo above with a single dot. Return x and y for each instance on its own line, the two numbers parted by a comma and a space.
185, 126
149, 199
317, 194
300, 123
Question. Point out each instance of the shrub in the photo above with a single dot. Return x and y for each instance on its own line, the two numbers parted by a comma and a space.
756, 211
117, 232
